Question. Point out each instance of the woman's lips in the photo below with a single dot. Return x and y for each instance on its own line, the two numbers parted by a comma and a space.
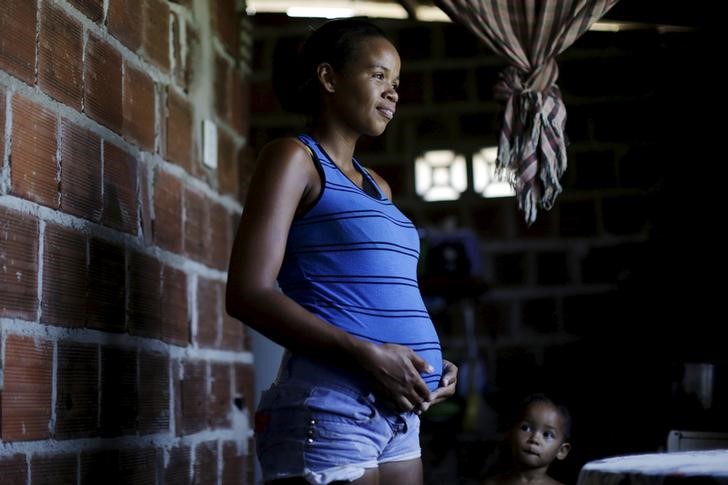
386, 112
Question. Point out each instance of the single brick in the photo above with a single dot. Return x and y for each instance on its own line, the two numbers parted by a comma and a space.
64, 277
103, 83
26, 396
145, 290
18, 265
233, 464
205, 463
197, 239
77, 390
118, 391
14, 469
34, 173
178, 468
53, 469
191, 398
80, 172
60, 64
93, 9
106, 300
227, 165
179, 133
125, 20
153, 393
168, 212
17, 38
208, 312
120, 189
219, 405
155, 32
139, 107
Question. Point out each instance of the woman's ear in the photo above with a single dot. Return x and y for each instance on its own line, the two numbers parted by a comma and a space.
326, 76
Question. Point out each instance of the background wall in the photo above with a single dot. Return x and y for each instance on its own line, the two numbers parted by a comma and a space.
119, 364
605, 298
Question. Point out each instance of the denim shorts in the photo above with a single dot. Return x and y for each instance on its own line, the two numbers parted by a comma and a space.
320, 424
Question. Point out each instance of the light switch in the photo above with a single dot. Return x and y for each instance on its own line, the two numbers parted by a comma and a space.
209, 143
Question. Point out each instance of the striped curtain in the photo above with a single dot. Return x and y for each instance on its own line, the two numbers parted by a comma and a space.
529, 34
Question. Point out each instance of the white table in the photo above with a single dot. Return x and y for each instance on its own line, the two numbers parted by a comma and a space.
657, 468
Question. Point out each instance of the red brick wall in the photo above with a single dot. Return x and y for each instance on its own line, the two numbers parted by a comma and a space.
118, 361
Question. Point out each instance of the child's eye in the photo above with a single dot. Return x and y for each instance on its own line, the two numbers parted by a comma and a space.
379, 75
549, 434
525, 427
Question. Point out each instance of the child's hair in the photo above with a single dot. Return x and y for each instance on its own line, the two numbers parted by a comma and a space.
294, 73
541, 397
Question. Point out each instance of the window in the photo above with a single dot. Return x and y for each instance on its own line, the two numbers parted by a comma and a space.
443, 175
485, 180
440, 175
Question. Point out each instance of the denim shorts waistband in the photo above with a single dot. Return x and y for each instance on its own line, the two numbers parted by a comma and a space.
317, 373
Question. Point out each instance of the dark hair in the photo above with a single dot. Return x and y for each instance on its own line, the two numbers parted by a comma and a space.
541, 397
294, 69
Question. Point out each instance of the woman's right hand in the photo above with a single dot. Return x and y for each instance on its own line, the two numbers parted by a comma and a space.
395, 373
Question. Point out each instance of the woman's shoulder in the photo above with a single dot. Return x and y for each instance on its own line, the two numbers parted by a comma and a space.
287, 148
287, 154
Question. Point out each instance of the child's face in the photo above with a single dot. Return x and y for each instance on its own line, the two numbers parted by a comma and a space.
539, 437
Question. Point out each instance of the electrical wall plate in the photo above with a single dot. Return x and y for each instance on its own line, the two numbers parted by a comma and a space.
209, 143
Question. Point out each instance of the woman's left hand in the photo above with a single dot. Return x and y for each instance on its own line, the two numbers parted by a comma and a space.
447, 386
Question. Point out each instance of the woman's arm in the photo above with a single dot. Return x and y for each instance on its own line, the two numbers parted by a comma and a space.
284, 178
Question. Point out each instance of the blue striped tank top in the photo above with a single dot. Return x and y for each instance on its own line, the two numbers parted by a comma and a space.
351, 259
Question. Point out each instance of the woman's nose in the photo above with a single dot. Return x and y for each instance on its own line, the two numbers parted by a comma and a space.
391, 95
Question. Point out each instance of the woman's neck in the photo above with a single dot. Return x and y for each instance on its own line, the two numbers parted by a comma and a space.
338, 143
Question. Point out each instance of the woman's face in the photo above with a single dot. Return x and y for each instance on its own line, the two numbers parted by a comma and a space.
364, 93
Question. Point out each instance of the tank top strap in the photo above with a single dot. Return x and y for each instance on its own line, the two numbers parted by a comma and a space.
313, 146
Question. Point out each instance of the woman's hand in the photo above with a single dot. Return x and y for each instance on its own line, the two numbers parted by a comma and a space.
447, 386
395, 373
